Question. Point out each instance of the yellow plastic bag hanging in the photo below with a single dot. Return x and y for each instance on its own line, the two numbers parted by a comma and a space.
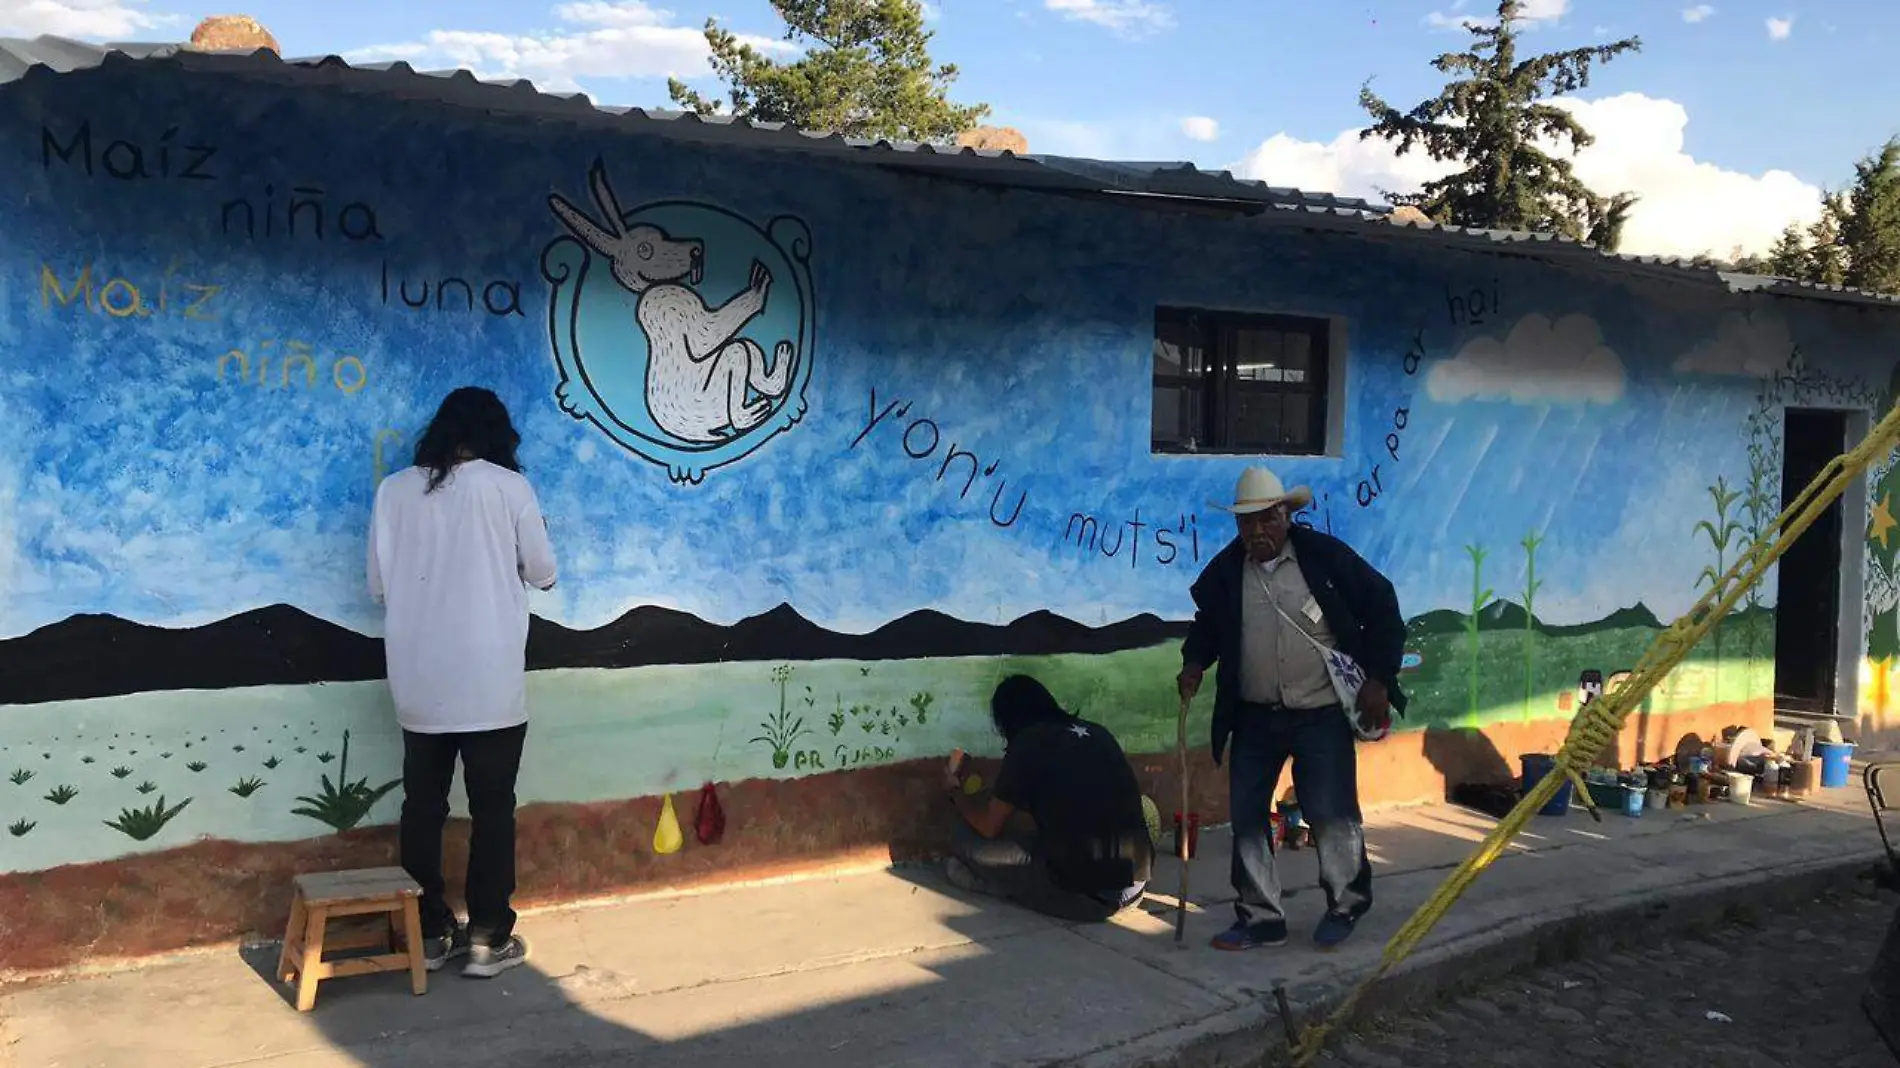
667, 837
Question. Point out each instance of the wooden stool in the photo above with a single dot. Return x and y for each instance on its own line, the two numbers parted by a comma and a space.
386, 896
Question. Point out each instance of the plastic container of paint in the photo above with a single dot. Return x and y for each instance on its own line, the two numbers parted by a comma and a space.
1538, 765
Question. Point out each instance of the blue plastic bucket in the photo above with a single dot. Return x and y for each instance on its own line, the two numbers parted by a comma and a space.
1837, 763
1538, 765
1632, 801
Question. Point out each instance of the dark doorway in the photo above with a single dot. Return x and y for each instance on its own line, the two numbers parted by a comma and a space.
1808, 591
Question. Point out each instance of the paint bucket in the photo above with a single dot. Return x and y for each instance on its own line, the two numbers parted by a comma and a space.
1837, 763
1656, 798
1538, 765
1632, 800
1741, 787
1193, 834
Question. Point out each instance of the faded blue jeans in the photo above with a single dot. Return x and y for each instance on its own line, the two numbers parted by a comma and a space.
1320, 744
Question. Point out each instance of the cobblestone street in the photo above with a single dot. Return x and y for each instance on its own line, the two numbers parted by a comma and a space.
1772, 991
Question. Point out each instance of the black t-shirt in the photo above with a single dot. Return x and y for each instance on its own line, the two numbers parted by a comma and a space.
1074, 781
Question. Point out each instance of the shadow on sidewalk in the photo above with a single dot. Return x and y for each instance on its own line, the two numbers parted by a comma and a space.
1014, 988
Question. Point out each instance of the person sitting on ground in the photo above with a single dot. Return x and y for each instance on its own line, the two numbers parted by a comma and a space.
1063, 833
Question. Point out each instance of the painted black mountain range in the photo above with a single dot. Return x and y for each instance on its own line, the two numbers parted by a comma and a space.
103, 656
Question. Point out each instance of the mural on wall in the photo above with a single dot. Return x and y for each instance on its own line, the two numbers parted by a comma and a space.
203, 405
648, 359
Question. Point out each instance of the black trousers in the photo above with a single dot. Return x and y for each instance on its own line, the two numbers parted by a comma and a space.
491, 760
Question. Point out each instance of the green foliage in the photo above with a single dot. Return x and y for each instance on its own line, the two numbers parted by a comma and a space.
247, 786
271, 764
20, 828
342, 805
62, 794
864, 71
920, 704
20, 777
146, 787
1870, 226
140, 824
196, 766
1490, 117
121, 772
836, 720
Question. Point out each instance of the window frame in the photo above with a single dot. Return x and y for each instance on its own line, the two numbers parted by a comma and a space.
1216, 332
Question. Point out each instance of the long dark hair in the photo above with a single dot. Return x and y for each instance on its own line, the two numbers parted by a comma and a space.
1020, 702
472, 423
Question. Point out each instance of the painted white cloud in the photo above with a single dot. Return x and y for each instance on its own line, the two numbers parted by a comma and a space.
1689, 207
595, 39
1129, 18
108, 19
1755, 344
1538, 362
1698, 13
1200, 128
1780, 28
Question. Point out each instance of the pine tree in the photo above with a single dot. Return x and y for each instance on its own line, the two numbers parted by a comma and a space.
1490, 118
1789, 257
1870, 223
1608, 218
865, 72
1827, 256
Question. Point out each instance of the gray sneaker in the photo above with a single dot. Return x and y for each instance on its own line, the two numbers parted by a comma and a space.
963, 877
438, 952
486, 962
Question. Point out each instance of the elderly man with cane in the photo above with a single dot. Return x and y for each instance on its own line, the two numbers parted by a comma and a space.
1306, 638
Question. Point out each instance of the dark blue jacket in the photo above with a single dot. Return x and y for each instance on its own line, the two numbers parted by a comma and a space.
1359, 604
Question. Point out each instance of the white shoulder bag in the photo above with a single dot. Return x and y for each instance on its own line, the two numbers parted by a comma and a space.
1347, 677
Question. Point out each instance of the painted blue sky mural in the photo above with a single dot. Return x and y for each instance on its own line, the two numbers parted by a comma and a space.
200, 388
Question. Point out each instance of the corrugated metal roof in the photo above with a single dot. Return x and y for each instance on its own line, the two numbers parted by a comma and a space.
20, 58
1174, 181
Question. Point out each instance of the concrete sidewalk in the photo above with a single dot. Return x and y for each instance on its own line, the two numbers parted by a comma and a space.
895, 968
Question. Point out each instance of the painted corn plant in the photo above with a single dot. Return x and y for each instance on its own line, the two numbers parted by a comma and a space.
1531, 584
1480, 596
342, 804
783, 729
1722, 531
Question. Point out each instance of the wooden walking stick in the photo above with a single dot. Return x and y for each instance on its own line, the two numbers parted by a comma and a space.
1181, 825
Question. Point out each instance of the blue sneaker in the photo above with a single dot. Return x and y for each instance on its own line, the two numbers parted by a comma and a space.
1244, 936
1334, 929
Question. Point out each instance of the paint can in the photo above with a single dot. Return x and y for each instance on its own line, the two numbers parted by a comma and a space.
1633, 800
1292, 830
1656, 798
1741, 787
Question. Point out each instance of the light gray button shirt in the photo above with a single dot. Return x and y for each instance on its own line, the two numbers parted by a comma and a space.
1278, 665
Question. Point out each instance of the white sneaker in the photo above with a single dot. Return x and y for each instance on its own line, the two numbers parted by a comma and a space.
486, 962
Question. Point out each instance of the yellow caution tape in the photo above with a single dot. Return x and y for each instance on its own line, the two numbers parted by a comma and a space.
1601, 722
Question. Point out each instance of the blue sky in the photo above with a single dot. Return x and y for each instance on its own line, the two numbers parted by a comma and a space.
1267, 87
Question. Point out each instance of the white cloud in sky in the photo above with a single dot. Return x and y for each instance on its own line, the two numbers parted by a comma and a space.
1538, 362
596, 39
1200, 128
1534, 11
109, 19
1780, 28
1698, 13
1755, 344
1129, 18
1689, 207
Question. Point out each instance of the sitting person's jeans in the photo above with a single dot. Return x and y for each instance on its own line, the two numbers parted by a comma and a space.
1009, 867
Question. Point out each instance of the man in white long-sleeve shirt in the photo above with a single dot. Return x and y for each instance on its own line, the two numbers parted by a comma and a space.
454, 544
